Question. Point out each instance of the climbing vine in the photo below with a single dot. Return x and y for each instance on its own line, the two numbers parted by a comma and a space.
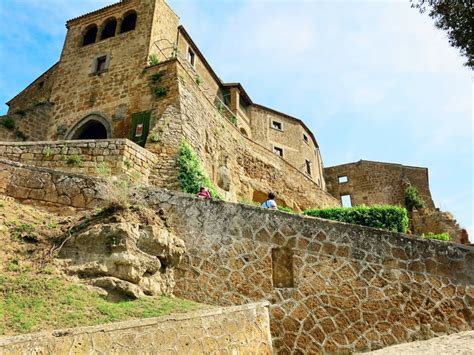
191, 174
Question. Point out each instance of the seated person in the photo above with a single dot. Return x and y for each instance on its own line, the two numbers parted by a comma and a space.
203, 193
270, 202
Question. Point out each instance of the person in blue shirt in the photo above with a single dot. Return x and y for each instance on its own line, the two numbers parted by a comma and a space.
270, 202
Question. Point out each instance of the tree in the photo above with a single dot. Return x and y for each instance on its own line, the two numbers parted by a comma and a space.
456, 17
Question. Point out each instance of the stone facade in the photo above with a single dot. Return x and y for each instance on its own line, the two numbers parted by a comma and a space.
49, 188
370, 183
100, 87
333, 287
235, 330
88, 157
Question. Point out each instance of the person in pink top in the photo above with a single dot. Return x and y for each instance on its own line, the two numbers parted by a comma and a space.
203, 193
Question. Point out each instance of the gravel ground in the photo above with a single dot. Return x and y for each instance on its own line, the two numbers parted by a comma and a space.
459, 343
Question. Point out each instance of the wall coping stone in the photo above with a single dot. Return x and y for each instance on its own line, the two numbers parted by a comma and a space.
144, 322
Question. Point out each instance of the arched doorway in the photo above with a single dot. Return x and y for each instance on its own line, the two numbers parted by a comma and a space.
91, 127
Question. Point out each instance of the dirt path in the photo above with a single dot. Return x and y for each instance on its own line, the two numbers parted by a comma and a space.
460, 343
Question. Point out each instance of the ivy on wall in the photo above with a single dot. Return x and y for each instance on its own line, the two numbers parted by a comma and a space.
191, 173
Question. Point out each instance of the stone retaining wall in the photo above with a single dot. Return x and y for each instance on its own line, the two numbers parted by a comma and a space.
334, 287
241, 329
42, 186
88, 157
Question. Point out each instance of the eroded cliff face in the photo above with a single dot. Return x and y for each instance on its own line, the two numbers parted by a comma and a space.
126, 252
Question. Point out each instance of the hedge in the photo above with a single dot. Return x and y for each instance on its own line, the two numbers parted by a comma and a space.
390, 218
191, 174
441, 236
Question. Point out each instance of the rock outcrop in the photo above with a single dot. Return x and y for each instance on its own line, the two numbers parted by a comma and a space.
125, 258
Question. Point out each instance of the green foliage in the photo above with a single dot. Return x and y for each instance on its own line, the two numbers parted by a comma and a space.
191, 174
390, 218
441, 236
33, 302
21, 135
153, 59
413, 198
155, 137
156, 78
160, 91
47, 152
455, 17
74, 160
233, 119
198, 80
102, 169
250, 203
127, 163
220, 107
285, 209
8, 123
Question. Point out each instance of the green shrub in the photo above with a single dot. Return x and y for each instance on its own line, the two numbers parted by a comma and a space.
155, 137
413, 198
8, 123
233, 119
198, 80
156, 78
390, 218
154, 59
191, 174
160, 91
285, 209
440, 236
74, 160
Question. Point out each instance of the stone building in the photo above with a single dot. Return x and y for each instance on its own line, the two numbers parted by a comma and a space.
129, 70
371, 183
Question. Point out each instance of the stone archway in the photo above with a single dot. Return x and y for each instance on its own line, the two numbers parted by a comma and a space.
90, 127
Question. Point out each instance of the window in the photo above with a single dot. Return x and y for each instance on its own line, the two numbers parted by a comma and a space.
277, 125
191, 57
346, 201
109, 29
342, 179
305, 138
278, 151
41, 84
308, 166
90, 35
129, 22
100, 64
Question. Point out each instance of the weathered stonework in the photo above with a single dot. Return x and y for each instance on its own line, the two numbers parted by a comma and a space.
88, 157
370, 183
240, 329
50, 188
353, 288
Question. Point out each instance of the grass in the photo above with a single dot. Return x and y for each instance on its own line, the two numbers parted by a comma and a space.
32, 302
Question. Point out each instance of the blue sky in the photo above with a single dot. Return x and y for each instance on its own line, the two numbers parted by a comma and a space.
374, 80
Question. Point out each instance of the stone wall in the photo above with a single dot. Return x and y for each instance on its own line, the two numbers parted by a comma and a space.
333, 287
88, 157
435, 221
31, 122
241, 329
49, 188
370, 182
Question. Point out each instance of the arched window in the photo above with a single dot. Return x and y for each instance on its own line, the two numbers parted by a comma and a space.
90, 35
129, 22
109, 29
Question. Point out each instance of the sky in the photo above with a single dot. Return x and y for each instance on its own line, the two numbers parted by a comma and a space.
373, 80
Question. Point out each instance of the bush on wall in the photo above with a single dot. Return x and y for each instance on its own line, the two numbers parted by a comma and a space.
440, 236
191, 174
390, 218
413, 198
